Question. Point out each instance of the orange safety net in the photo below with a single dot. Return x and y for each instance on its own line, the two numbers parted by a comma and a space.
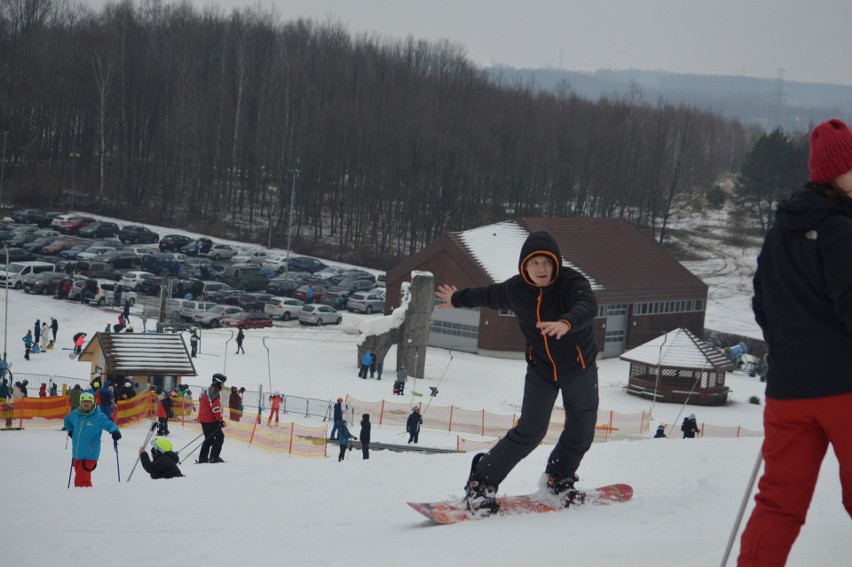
290, 438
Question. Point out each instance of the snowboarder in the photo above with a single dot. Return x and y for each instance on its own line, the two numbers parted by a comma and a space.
802, 304
689, 427
84, 426
344, 440
210, 417
412, 425
240, 336
28, 343
555, 308
338, 417
163, 462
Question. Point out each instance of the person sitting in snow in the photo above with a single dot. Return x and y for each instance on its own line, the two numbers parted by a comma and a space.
163, 462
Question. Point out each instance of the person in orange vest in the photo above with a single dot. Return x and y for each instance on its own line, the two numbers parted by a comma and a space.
210, 417
79, 341
275, 399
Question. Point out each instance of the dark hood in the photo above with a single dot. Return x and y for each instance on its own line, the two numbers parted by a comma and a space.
807, 208
540, 243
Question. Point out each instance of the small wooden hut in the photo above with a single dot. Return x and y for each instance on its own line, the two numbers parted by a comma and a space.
678, 367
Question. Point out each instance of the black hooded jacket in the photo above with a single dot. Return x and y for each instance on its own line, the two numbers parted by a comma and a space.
803, 296
568, 298
164, 465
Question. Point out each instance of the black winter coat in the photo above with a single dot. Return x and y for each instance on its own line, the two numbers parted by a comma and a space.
803, 296
364, 434
568, 298
413, 423
164, 465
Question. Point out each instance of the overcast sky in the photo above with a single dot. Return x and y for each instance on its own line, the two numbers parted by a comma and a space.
810, 40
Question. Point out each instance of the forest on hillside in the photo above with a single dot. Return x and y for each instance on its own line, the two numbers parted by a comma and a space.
218, 122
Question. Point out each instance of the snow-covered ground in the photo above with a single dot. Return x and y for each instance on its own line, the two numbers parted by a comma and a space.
263, 507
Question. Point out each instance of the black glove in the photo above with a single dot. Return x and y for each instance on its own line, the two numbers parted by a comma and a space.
221, 423
71, 434
116, 435
355, 438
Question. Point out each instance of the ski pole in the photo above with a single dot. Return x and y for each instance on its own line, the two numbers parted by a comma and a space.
743, 505
69, 473
117, 465
188, 444
144, 444
212, 433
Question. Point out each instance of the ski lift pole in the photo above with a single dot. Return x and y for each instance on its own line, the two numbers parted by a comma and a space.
268, 365
225, 365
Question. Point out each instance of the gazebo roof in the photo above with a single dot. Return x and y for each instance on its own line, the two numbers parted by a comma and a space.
679, 349
143, 354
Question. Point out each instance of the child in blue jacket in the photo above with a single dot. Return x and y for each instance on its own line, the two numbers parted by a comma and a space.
84, 426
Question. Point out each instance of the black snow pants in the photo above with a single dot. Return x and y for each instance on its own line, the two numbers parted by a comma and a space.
580, 399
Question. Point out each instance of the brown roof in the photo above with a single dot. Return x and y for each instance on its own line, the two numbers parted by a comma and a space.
142, 354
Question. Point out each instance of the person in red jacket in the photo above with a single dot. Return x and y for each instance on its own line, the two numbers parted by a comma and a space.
210, 417
164, 412
275, 400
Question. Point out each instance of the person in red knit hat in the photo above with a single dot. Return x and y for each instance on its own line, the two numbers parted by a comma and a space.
803, 304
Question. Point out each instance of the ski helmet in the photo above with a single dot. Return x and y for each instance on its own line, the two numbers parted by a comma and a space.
87, 397
219, 378
161, 445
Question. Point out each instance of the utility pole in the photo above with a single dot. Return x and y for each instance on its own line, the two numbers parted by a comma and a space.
74, 157
2, 172
295, 171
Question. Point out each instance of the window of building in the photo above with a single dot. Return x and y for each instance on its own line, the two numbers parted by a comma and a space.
674, 306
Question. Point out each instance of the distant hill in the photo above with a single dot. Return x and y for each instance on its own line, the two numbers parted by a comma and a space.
767, 103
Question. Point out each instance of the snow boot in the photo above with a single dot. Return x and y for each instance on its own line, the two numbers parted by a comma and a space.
480, 498
564, 489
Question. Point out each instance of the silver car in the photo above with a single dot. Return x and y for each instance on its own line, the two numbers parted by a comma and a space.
366, 302
284, 308
319, 315
214, 315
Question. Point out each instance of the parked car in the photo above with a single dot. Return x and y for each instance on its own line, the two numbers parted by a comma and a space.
21, 238
366, 302
191, 308
225, 296
134, 279
356, 275
335, 297
14, 274
277, 263
212, 316
97, 270
203, 244
150, 285
351, 286
106, 294
330, 273
247, 277
317, 293
220, 252
74, 251
157, 263
305, 264
248, 320
138, 234
253, 301
319, 315
86, 287
6, 234
141, 250
17, 255
101, 229
280, 286
250, 257
212, 287
58, 245
59, 219
48, 219
173, 242
72, 225
120, 259
44, 283
28, 216
199, 268
92, 252
284, 308
36, 245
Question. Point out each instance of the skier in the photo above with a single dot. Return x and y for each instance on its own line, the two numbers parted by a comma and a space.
193, 343
275, 401
164, 412
210, 417
344, 440
412, 425
803, 305
163, 462
555, 308
240, 336
365, 435
338, 417
689, 427
84, 426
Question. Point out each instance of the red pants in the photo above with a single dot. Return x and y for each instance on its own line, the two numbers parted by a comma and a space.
83, 471
271, 413
797, 436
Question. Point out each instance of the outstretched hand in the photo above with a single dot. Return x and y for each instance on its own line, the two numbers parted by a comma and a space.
553, 328
446, 292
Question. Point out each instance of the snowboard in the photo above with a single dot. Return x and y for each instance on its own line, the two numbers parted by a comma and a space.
453, 511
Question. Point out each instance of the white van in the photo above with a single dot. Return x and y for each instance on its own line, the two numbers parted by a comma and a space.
19, 271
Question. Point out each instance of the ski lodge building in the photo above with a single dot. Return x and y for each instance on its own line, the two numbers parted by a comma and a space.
642, 291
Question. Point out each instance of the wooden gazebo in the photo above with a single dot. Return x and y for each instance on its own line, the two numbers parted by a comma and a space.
678, 367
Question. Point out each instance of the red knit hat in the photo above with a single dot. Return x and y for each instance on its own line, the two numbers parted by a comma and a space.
831, 151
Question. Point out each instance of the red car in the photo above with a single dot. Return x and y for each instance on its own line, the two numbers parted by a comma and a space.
59, 245
249, 320
72, 225
318, 292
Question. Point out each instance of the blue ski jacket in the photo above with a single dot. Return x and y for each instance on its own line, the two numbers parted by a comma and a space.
85, 430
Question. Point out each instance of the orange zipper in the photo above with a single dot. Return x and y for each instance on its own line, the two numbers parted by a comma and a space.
580, 358
546, 343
